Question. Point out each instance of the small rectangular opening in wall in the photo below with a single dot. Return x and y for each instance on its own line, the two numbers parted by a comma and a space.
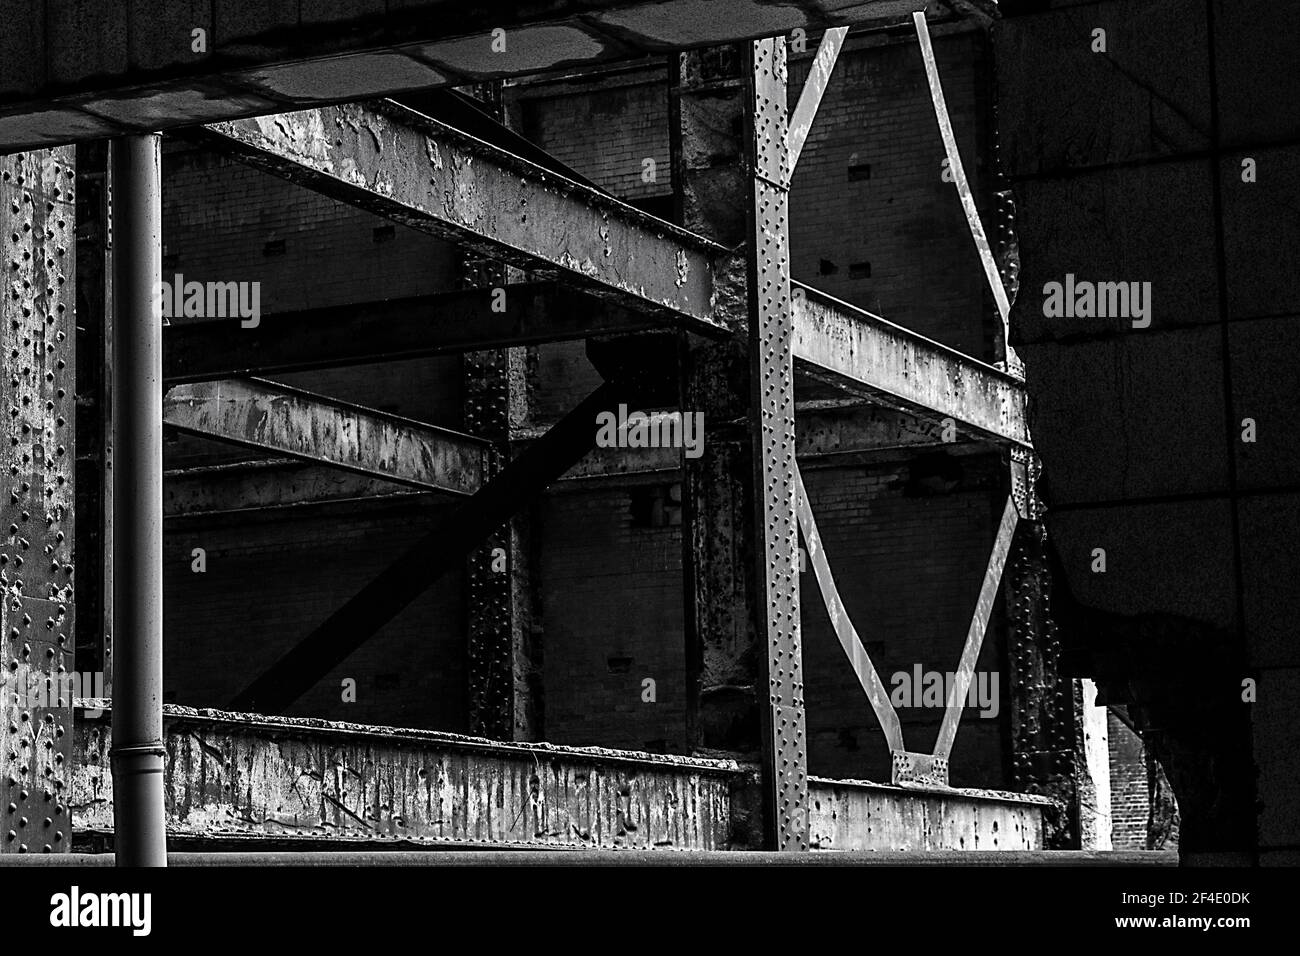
860, 270
383, 233
170, 261
859, 171
619, 665
273, 248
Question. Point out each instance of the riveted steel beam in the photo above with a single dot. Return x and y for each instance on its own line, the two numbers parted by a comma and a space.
771, 335
869, 356
271, 417
38, 227
391, 330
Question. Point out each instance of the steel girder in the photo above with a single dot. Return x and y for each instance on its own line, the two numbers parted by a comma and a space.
286, 421
417, 171
785, 745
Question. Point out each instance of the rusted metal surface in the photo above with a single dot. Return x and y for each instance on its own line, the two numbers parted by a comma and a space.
975, 634
285, 780
908, 767
785, 751
493, 381
546, 856
231, 775
37, 335
391, 330
1044, 731
414, 170
422, 173
863, 669
84, 72
859, 815
272, 417
865, 354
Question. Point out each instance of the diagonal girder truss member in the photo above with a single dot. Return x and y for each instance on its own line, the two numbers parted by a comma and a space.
847, 634
438, 552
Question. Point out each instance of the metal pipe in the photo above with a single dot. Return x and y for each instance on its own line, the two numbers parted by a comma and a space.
137, 753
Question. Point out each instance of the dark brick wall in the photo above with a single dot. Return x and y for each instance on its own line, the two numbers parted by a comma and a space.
269, 582
904, 221
222, 220
604, 133
610, 574
908, 567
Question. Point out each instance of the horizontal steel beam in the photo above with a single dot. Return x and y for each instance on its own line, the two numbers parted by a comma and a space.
391, 330
866, 355
88, 70
288, 483
266, 485
424, 174
272, 418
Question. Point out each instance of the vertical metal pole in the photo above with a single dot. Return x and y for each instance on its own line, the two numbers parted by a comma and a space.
772, 384
137, 754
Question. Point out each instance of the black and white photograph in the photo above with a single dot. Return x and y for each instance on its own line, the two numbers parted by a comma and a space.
657, 455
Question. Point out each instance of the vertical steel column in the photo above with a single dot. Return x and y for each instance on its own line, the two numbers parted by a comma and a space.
38, 337
772, 424
137, 754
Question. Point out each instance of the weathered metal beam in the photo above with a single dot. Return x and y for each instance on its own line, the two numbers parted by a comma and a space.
810, 97
975, 635
84, 71
38, 335
866, 355
454, 186
259, 778
391, 330
271, 417
287, 483
429, 558
847, 634
264, 485
771, 335
424, 174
